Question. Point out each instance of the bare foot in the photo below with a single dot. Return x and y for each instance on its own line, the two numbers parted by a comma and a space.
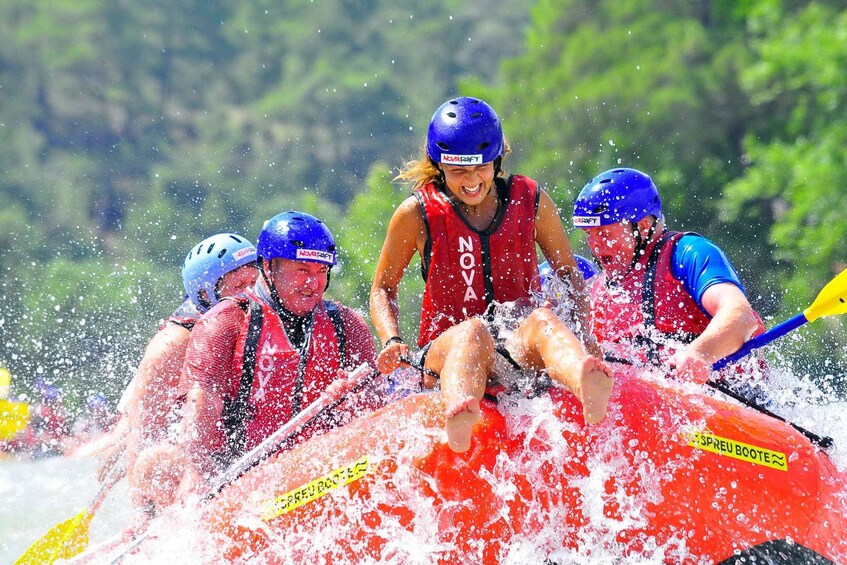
596, 380
461, 418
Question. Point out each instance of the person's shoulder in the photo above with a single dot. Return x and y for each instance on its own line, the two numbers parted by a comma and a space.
229, 309
410, 205
350, 316
170, 332
697, 245
408, 216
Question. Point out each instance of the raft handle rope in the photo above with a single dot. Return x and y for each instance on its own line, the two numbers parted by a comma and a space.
824, 442
429, 372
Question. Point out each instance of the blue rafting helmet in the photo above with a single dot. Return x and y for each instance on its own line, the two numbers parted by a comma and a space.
586, 267
97, 401
297, 236
464, 131
618, 195
211, 259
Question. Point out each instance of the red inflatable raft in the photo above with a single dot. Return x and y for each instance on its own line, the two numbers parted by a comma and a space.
677, 476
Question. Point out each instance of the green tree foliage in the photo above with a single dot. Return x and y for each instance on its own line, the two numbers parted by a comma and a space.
734, 108
798, 158
132, 130
360, 237
129, 131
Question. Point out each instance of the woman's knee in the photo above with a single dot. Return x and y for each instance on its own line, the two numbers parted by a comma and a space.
475, 330
541, 319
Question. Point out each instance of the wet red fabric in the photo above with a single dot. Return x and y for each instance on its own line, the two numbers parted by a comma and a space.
214, 362
463, 259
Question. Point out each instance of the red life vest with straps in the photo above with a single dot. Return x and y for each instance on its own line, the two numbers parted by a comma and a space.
276, 379
649, 304
466, 269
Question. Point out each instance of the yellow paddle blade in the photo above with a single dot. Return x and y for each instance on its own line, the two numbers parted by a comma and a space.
63, 541
831, 300
14, 417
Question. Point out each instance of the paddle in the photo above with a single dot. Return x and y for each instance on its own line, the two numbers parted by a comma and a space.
14, 417
357, 379
273, 443
830, 301
70, 538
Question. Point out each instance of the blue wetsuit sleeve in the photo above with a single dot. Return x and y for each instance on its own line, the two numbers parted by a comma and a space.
699, 264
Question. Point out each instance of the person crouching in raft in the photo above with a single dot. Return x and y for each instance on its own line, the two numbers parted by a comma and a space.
673, 295
218, 267
475, 232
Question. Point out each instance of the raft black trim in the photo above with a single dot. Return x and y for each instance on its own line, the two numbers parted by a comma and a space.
778, 552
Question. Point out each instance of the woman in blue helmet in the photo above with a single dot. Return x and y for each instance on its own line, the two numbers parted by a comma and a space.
256, 360
476, 233
219, 266
659, 287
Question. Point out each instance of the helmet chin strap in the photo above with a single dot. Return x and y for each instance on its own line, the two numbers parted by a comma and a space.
641, 243
268, 283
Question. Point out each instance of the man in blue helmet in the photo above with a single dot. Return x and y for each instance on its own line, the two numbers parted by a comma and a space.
255, 361
673, 295
219, 266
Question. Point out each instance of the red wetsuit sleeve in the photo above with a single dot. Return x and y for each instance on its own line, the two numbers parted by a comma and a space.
210, 353
360, 340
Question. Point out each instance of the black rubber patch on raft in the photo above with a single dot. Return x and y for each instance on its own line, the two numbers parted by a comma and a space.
777, 552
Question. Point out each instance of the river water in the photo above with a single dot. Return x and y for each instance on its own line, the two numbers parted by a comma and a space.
38, 494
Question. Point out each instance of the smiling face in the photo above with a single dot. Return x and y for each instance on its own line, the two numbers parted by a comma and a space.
299, 284
470, 184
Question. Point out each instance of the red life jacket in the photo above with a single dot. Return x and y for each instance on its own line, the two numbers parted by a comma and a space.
276, 380
466, 269
649, 304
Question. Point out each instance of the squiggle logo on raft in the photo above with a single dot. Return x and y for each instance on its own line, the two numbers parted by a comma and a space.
461, 159
315, 255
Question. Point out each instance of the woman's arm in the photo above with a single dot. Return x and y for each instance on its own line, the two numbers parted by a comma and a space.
406, 235
553, 241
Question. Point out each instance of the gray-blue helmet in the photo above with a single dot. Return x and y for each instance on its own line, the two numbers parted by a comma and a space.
211, 259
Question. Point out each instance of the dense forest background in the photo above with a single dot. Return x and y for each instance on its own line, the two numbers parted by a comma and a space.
131, 130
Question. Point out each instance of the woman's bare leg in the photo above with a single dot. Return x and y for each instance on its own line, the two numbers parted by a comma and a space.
543, 341
463, 356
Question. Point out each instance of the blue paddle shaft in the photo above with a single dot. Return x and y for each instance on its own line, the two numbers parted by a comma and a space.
772, 334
